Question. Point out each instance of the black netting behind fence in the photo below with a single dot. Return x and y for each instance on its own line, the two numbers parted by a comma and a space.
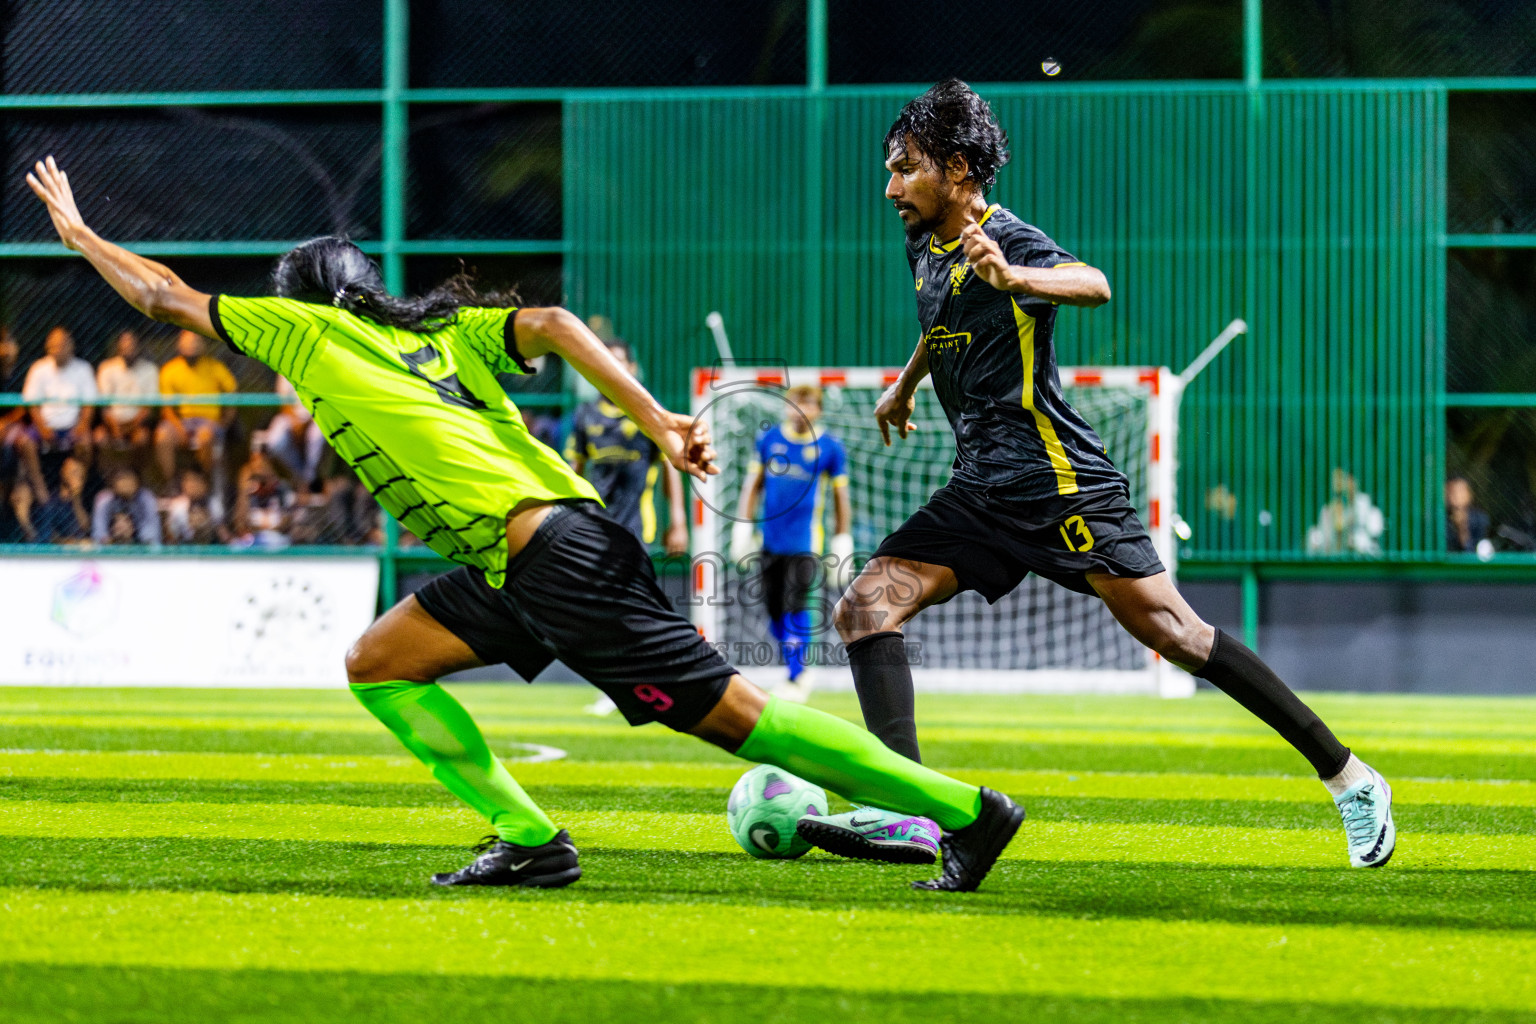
1490, 313
172, 45
200, 174
37, 294
1491, 162
485, 171
1398, 38
602, 43
1005, 41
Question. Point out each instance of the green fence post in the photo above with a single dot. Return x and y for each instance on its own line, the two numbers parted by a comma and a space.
396, 132
1250, 602
815, 174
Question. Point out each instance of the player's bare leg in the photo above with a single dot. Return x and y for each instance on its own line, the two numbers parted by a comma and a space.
393, 669
1153, 611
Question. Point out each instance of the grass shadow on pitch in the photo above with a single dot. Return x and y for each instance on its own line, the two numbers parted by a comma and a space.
1399, 897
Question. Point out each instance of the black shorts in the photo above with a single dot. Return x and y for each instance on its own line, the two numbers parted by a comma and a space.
787, 582
584, 591
991, 545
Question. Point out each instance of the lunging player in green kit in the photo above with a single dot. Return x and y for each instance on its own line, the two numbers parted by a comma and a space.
406, 391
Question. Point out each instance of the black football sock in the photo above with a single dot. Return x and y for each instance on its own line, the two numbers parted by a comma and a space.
884, 683
1238, 672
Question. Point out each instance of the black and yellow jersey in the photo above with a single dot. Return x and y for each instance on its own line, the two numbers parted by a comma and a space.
620, 461
993, 365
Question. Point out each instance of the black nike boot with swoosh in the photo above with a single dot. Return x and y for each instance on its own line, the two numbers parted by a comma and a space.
970, 852
548, 866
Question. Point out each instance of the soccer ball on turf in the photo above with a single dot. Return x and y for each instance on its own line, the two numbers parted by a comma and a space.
764, 806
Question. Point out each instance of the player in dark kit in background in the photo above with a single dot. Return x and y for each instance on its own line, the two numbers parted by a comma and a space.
1033, 489
624, 465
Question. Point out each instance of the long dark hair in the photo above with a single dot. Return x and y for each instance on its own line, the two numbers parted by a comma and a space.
948, 120
331, 271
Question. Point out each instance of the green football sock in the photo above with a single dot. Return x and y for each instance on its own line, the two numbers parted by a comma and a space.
839, 756
438, 730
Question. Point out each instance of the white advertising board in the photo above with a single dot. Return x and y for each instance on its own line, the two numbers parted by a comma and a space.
182, 621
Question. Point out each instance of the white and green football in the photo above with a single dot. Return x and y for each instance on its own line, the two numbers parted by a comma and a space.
764, 806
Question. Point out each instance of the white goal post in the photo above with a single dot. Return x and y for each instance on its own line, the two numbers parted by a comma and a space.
1040, 638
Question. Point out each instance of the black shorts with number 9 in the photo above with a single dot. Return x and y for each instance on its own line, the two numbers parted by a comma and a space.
991, 544
584, 591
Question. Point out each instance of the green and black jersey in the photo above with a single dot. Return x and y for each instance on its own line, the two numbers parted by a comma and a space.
622, 463
420, 417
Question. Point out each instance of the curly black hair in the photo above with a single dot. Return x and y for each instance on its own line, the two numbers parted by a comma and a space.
948, 120
333, 271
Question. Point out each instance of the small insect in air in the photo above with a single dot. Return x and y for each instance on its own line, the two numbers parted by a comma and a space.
1050, 66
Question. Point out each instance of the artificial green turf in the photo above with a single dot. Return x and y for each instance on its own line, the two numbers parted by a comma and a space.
146, 995
1077, 926
1443, 818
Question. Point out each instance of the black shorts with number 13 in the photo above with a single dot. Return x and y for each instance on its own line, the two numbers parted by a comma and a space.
992, 544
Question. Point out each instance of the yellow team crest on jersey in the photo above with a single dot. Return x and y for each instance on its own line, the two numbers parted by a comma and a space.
957, 276
808, 453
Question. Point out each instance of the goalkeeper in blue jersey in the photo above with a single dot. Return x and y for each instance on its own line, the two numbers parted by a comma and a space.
793, 468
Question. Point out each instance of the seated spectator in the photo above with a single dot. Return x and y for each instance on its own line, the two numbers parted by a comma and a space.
263, 505
1348, 524
1466, 525
196, 514
128, 374
126, 496
56, 428
294, 439
62, 518
198, 427
10, 527
121, 530
12, 380
344, 514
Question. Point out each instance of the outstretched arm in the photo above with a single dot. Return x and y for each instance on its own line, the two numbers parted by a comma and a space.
684, 441
149, 287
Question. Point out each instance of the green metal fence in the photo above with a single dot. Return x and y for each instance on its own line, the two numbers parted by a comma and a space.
1315, 209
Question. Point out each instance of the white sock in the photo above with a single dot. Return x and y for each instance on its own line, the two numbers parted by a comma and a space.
1355, 770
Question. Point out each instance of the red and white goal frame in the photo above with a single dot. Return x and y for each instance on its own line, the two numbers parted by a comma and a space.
1159, 387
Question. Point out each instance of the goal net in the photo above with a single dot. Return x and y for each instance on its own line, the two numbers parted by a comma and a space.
1039, 638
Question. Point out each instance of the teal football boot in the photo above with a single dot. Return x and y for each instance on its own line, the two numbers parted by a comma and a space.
869, 833
1366, 808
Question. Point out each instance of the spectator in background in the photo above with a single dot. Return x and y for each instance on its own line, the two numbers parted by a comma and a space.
1466, 525
125, 497
12, 380
57, 428
62, 518
294, 439
263, 505
10, 526
127, 374
198, 427
196, 514
1350, 523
